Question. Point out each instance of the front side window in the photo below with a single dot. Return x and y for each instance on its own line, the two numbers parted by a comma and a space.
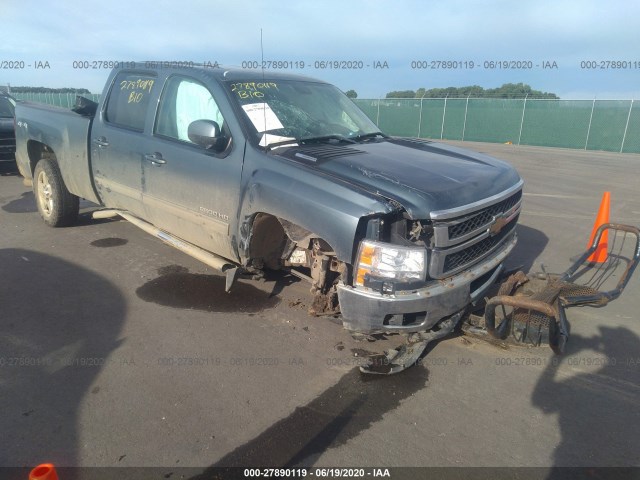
184, 101
129, 100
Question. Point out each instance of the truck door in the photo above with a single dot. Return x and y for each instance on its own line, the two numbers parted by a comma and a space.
190, 191
117, 141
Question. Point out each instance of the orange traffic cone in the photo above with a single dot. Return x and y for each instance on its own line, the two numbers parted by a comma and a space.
600, 255
46, 471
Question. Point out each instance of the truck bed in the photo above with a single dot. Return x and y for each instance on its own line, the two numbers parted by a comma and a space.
66, 133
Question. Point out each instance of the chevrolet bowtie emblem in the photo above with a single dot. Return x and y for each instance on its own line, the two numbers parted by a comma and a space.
497, 225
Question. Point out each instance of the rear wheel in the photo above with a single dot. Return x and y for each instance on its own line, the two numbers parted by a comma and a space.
57, 206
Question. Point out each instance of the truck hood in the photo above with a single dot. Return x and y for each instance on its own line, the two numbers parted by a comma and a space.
422, 176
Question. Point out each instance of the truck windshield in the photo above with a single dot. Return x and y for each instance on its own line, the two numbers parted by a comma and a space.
283, 112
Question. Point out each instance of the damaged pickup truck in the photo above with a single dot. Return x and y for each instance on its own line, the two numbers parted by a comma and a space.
249, 171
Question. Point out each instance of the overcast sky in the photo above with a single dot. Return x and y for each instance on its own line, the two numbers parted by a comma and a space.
362, 32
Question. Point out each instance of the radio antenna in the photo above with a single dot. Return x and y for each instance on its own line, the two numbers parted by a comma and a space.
261, 54
264, 104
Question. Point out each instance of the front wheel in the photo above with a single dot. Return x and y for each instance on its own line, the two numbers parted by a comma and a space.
57, 206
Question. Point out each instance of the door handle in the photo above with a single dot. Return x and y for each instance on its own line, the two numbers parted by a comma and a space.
155, 159
101, 142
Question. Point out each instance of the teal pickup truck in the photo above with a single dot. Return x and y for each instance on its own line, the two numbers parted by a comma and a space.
250, 170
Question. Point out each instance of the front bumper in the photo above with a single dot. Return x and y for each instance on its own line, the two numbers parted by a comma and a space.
419, 310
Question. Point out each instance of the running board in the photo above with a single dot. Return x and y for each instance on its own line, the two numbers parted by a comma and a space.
230, 269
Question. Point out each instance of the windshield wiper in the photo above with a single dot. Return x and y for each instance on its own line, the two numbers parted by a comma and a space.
327, 137
309, 140
365, 136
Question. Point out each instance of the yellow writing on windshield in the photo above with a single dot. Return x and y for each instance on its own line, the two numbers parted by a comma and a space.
252, 89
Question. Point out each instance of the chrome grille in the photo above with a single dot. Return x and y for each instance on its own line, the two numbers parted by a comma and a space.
484, 217
478, 250
477, 231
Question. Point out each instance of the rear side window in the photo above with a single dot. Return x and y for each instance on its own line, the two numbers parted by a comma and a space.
129, 100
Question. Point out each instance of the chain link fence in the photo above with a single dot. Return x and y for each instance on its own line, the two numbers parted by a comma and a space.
66, 100
611, 125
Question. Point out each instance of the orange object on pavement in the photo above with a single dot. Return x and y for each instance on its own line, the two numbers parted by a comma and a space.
600, 255
45, 471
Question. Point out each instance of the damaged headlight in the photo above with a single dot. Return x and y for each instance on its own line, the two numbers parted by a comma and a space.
387, 262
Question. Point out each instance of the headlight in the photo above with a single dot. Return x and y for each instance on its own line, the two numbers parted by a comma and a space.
393, 262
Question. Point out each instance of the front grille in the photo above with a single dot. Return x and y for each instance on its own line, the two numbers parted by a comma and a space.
464, 236
483, 217
457, 260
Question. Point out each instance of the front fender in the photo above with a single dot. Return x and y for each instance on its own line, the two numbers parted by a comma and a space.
328, 207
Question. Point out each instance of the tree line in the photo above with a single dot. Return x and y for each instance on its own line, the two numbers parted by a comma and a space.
507, 90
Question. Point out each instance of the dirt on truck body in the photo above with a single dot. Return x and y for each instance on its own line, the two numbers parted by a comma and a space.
248, 171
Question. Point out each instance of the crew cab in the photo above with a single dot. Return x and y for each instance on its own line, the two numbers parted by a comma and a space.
251, 170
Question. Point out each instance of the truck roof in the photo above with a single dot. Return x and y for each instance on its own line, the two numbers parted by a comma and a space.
220, 72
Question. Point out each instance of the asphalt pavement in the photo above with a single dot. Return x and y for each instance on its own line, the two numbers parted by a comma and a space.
117, 350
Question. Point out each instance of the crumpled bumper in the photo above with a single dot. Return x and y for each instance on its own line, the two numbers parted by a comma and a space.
366, 311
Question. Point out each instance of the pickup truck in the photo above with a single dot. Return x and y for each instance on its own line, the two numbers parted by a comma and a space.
251, 170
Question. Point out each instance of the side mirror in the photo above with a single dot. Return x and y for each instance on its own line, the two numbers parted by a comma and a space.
85, 107
205, 133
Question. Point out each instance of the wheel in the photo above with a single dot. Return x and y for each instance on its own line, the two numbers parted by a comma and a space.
57, 206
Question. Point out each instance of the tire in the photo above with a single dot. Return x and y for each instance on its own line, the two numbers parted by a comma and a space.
57, 206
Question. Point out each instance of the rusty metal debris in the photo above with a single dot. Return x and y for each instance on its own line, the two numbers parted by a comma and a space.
533, 316
401, 358
528, 309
